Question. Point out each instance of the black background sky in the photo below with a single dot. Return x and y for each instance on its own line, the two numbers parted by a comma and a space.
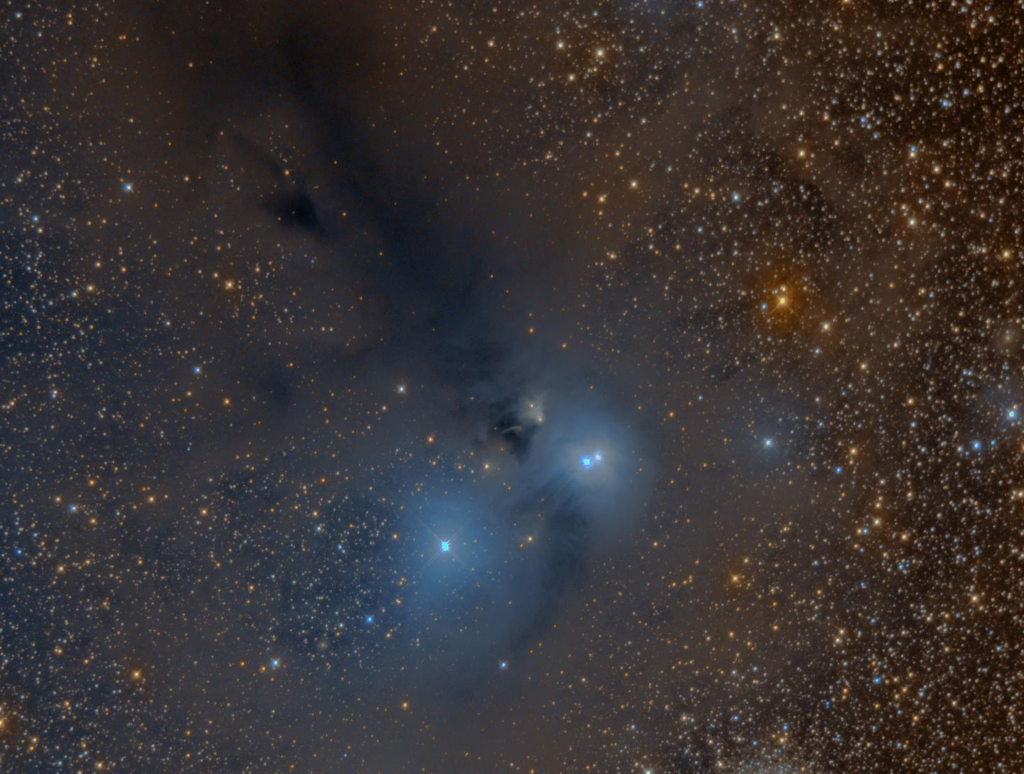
292, 292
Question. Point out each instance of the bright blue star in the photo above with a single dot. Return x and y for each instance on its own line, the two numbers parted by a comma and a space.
275, 663
128, 187
445, 546
369, 619
502, 665
597, 457
586, 462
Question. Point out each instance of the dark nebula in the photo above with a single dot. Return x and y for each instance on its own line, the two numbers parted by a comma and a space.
625, 387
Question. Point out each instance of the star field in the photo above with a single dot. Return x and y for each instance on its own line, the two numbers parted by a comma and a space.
613, 386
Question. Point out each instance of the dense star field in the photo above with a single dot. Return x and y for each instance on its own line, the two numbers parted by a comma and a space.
625, 387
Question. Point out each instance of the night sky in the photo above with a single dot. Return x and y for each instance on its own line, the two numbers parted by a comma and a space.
441, 386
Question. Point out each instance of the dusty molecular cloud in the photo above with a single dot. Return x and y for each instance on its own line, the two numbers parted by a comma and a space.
625, 387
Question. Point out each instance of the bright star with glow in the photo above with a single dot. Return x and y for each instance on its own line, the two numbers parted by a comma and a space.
502, 665
128, 187
586, 462
446, 546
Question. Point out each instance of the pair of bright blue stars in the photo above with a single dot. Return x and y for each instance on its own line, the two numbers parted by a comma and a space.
589, 462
